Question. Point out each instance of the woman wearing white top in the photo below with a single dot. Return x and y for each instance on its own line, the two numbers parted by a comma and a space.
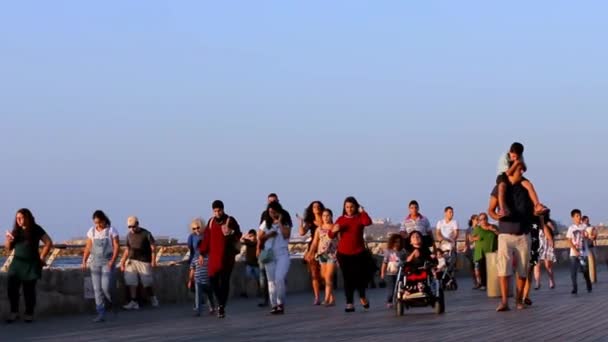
103, 246
274, 235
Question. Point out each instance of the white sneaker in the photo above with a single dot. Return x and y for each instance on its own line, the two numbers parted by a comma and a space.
154, 301
131, 306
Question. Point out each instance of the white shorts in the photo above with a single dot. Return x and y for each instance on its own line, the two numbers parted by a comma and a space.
138, 270
508, 247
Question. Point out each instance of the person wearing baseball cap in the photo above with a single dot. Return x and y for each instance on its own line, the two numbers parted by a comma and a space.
137, 262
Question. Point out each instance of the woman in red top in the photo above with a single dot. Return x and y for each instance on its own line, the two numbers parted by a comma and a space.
352, 254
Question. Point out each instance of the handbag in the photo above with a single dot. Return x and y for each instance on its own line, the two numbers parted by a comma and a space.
267, 255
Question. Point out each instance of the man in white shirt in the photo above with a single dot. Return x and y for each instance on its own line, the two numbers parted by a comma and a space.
447, 229
578, 240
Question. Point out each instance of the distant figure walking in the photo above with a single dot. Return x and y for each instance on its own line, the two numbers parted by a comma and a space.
415, 221
272, 197
103, 247
309, 224
325, 249
26, 267
138, 261
198, 279
355, 260
273, 239
220, 241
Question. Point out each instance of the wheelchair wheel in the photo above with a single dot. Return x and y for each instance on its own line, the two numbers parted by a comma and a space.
399, 308
439, 303
397, 302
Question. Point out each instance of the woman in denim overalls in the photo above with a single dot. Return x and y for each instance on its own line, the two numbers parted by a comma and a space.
102, 246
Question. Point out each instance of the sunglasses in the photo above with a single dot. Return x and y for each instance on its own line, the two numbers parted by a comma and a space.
196, 228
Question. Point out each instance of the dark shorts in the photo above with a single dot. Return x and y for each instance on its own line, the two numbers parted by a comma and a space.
503, 178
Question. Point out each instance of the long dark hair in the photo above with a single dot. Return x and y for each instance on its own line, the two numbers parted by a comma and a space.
309, 215
473, 218
100, 215
276, 206
29, 223
352, 200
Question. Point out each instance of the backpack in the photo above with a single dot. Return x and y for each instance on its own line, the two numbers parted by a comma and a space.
519, 203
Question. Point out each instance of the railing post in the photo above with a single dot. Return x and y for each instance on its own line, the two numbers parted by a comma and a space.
159, 254
8, 261
52, 257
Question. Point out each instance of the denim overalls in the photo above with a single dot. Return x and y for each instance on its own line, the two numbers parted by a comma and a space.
101, 274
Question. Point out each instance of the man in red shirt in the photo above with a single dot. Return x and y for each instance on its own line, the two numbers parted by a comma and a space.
219, 244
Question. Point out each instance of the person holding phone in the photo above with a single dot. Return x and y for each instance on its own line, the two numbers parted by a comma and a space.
26, 267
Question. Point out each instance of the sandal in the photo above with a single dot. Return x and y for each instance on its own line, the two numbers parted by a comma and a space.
502, 307
365, 303
527, 301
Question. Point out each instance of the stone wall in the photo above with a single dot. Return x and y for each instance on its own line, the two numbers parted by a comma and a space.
61, 291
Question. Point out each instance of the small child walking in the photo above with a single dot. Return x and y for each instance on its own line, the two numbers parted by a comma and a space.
199, 279
579, 251
390, 266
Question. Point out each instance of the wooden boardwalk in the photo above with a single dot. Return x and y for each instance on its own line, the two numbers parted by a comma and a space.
556, 316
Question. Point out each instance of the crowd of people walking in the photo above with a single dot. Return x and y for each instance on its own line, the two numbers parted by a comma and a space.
523, 239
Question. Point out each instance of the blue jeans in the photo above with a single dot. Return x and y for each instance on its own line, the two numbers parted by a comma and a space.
263, 283
101, 277
575, 265
252, 272
202, 292
391, 281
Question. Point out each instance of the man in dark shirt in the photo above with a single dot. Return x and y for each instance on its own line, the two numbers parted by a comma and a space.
513, 238
137, 262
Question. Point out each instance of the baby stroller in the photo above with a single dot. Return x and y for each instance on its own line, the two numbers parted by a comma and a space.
417, 287
446, 268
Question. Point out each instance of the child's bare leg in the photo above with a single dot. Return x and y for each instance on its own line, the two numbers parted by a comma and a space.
538, 207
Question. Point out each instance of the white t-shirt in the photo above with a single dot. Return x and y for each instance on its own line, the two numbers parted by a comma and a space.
576, 234
504, 162
94, 234
279, 244
448, 229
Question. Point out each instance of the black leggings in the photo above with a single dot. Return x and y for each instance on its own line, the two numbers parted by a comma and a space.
483, 274
220, 284
29, 294
355, 270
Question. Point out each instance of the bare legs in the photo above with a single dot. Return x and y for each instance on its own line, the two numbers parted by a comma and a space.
315, 276
327, 272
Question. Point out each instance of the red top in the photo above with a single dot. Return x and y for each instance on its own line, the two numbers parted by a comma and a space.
217, 247
351, 233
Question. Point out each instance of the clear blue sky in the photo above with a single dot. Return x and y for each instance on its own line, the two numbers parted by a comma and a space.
156, 108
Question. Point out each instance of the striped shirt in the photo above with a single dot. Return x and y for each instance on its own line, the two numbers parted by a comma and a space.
200, 272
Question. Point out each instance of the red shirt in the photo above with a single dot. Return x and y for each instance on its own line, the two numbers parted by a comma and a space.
351, 233
219, 248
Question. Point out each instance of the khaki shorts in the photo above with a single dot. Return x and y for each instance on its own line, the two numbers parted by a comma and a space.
138, 270
509, 245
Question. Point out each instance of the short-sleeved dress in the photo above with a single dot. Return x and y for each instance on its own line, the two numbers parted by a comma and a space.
26, 263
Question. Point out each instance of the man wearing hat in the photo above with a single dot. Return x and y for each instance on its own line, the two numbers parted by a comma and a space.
137, 262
